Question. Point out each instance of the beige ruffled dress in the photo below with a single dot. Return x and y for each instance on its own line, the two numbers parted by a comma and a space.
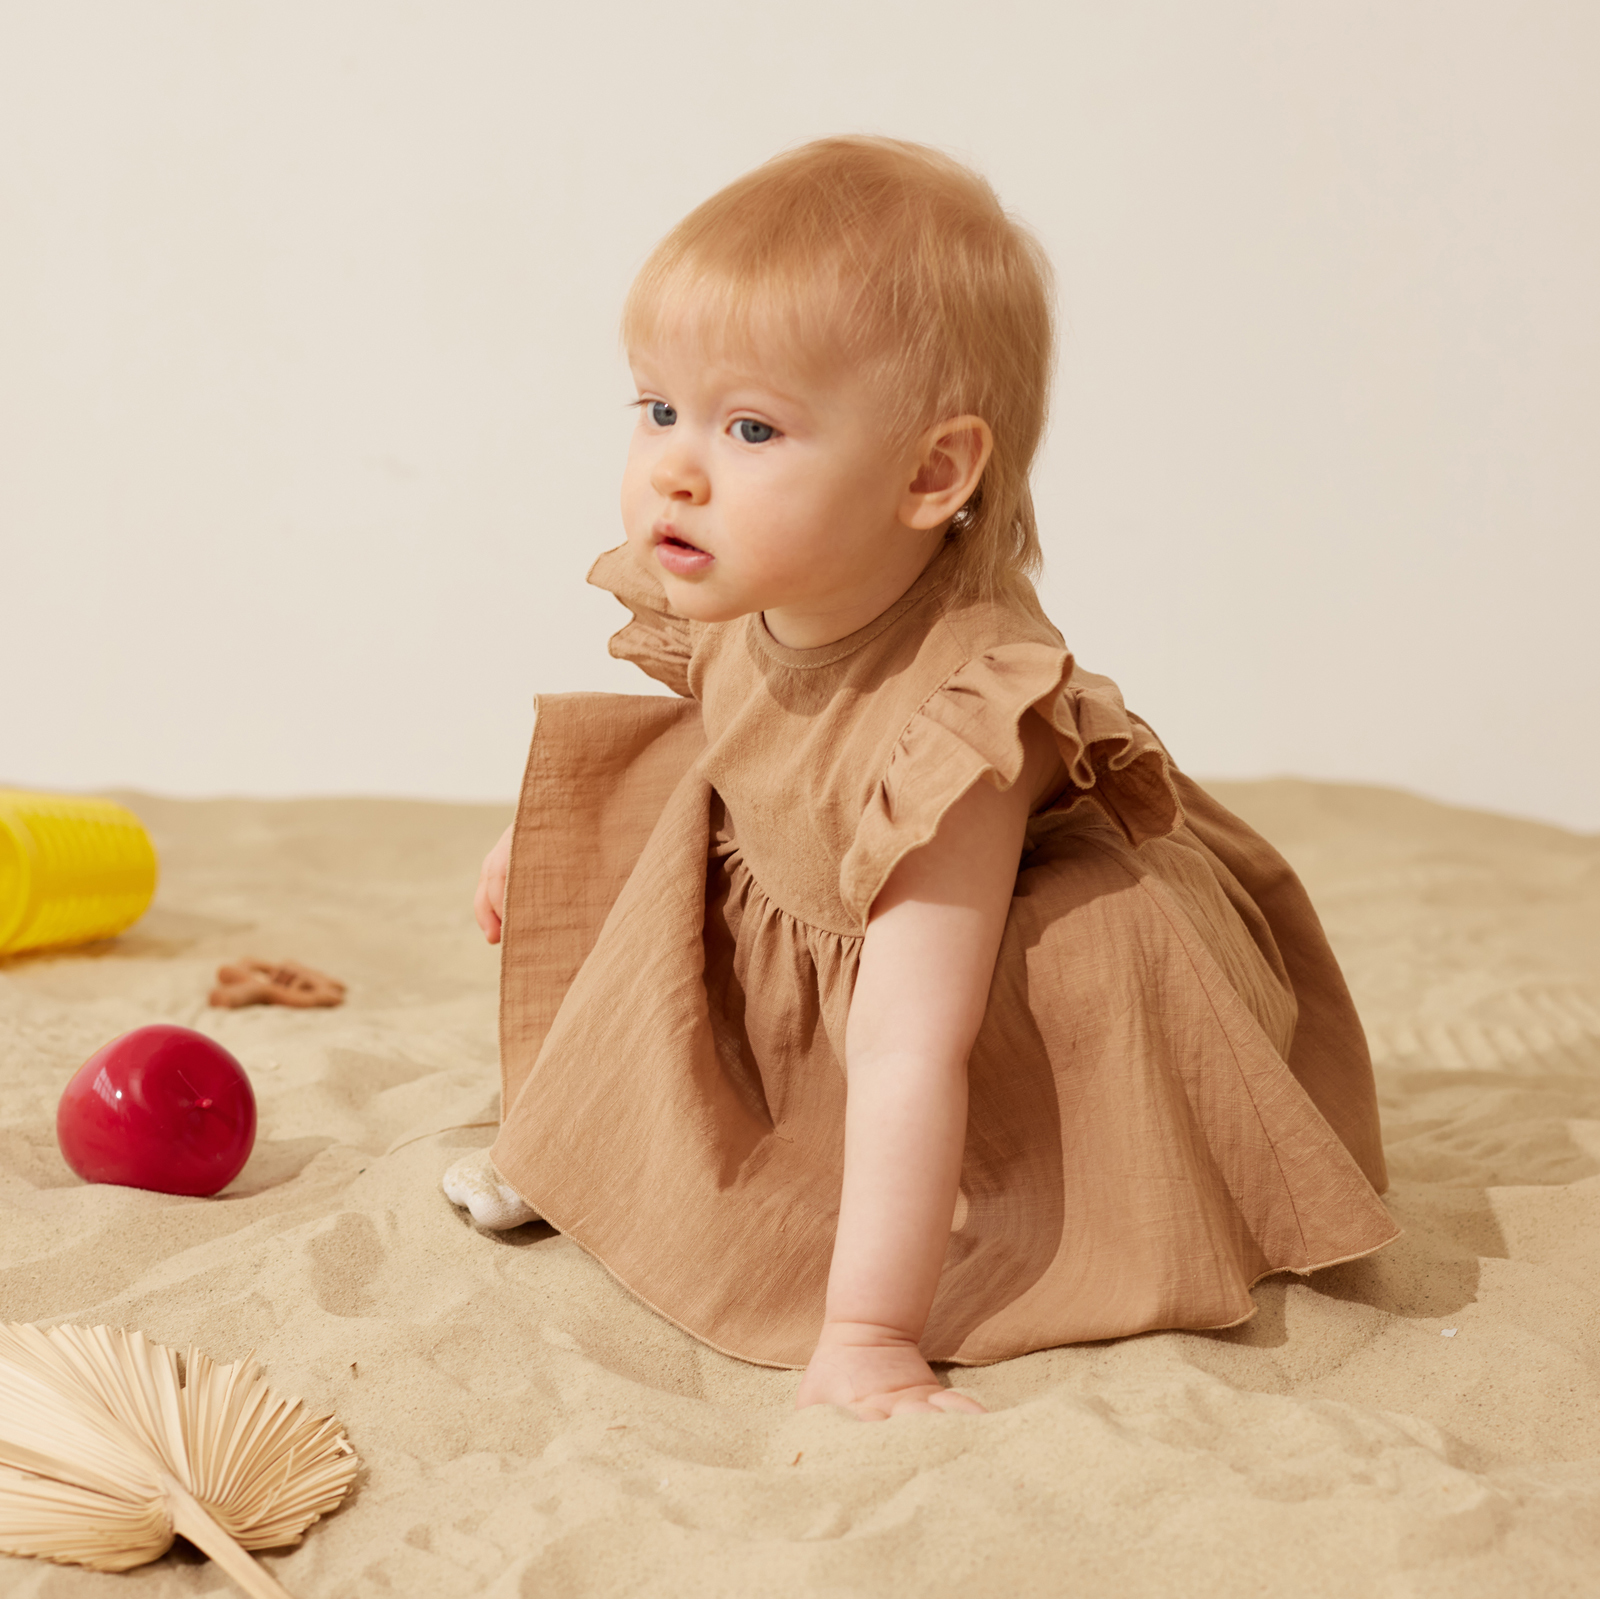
1170, 1094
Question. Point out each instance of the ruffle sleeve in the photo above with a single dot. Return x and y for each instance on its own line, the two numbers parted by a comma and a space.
658, 640
970, 728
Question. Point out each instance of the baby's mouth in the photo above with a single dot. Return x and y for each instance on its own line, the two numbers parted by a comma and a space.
679, 555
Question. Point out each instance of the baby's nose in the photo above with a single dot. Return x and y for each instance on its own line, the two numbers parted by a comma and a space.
676, 477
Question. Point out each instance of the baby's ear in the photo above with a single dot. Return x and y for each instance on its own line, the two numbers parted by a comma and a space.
954, 454
937, 471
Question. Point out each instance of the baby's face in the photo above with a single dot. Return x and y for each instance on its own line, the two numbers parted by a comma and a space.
751, 486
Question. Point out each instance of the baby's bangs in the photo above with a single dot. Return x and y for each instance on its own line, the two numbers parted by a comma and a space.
786, 313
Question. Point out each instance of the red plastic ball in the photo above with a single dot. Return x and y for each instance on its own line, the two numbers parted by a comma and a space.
161, 1108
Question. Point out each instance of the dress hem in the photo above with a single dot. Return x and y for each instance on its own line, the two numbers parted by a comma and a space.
966, 1361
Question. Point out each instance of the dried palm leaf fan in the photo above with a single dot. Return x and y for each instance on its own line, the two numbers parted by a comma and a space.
106, 1453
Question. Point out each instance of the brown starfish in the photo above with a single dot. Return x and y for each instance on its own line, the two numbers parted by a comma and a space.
248, 982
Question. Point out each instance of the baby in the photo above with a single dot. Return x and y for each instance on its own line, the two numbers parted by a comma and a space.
889, 997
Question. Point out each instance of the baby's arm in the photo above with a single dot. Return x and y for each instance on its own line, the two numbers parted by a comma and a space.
921, 991
489, 903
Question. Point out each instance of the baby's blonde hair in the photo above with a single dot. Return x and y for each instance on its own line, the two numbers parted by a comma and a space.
903, 261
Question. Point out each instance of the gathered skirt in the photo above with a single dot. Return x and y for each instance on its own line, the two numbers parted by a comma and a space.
1170, 1094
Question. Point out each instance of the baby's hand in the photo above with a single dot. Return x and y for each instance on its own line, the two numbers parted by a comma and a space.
489, 903
875, 1374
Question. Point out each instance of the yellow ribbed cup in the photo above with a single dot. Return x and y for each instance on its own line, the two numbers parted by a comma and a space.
71, 870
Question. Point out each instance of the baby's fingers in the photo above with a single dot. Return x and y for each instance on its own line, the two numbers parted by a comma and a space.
866, 1412
906, 1402
949, 1400
486, 911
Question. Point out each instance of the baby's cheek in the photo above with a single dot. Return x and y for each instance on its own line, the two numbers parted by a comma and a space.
629, 496
638, 497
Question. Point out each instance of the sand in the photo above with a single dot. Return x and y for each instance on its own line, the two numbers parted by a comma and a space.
527, 1428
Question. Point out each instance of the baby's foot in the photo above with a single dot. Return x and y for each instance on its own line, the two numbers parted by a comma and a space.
474, 1183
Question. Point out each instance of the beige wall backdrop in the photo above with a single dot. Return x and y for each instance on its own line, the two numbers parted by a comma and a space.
310, 402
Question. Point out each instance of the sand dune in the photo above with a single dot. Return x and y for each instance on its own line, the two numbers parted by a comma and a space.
529, 1429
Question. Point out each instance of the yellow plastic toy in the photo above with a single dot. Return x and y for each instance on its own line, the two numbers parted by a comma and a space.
71, 870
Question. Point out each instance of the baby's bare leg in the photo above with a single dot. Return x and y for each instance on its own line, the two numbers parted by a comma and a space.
474, 1182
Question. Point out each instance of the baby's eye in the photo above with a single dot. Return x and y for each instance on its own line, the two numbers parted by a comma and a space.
662, 414
750, 431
